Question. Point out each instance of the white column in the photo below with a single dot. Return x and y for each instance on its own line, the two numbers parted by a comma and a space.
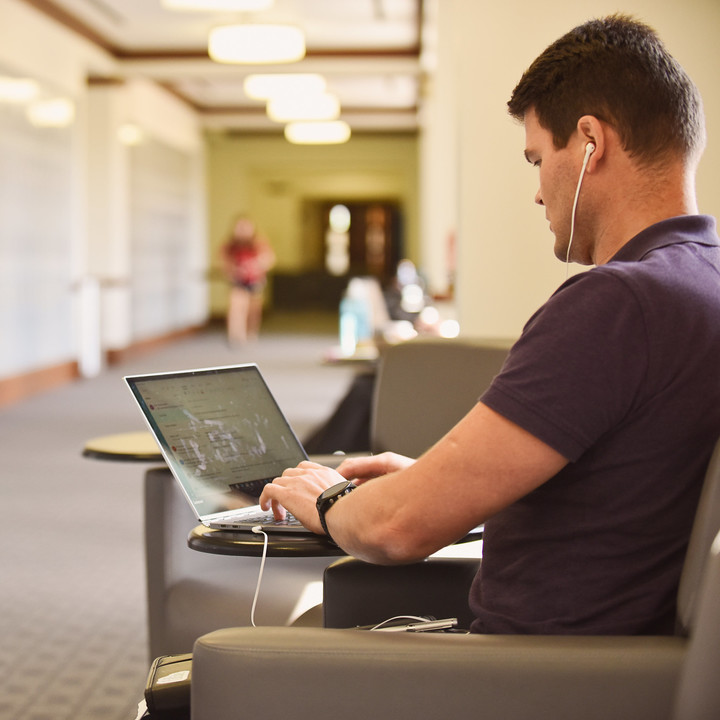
108, 232
439, 156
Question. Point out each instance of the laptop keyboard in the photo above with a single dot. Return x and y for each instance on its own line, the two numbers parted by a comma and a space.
269, 519
262, 517
252, 487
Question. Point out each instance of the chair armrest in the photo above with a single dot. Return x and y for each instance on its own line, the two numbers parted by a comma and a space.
325, 674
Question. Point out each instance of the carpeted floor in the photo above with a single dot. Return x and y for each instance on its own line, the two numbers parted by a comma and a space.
72, 594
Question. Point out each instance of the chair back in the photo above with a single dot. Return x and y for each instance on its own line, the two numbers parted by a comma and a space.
705, 527
698, 695
426, 386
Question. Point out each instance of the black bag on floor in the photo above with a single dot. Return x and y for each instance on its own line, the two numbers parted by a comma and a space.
167, 690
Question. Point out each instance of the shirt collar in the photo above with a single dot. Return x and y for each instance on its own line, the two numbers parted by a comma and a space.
699, 229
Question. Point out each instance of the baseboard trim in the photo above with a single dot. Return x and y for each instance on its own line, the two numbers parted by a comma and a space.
115, 357
19, 387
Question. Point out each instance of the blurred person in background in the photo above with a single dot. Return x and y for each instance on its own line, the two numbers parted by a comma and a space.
247, 258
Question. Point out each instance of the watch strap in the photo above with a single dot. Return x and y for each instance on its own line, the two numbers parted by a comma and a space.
328, 498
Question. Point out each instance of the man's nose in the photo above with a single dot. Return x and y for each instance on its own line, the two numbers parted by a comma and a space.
538, 198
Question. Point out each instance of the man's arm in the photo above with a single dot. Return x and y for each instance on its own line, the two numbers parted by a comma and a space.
484, 464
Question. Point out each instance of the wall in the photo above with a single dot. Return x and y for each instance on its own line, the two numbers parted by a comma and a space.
41, 180
270, 180
36, 327
101, 244
506, 267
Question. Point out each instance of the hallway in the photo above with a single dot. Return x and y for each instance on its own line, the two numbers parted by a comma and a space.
72, 603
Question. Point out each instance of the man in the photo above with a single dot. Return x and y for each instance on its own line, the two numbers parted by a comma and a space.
586, 456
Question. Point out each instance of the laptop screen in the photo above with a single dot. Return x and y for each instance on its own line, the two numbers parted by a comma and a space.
221, 432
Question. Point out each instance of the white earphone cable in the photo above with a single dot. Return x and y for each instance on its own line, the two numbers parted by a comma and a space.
259, 530
588, 153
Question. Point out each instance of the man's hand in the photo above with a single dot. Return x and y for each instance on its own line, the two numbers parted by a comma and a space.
361, 469
297, 490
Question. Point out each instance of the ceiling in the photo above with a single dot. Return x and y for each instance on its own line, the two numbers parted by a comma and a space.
373, 53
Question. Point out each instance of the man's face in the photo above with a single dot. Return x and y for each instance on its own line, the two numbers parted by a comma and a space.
559, 171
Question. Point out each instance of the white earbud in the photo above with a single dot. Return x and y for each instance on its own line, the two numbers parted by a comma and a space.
589, 149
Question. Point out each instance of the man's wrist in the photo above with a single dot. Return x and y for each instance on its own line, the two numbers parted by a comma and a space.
328, 498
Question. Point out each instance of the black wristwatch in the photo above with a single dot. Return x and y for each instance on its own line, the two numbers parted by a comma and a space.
329, 497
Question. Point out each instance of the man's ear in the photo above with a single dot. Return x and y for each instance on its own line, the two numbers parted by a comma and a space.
592, 130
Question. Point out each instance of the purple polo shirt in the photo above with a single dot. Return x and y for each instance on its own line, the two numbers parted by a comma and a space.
619, 372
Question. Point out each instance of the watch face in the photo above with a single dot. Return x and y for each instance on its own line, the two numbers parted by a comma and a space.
335, 489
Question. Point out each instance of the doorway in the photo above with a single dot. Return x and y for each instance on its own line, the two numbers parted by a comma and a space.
361, 238
340, 240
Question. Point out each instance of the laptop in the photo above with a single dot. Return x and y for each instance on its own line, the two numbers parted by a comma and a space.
224, 438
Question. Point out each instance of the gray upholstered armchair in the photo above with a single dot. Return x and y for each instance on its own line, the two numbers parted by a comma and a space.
319, 674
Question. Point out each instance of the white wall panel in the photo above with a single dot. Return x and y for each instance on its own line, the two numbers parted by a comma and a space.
36, 242
161, 238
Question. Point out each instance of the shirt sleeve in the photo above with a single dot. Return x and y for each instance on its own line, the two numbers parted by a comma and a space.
578, 367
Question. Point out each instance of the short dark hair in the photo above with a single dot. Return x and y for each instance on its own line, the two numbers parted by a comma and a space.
618, 70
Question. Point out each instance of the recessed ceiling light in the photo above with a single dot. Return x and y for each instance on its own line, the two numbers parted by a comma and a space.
130, 134
256, 43
267, 86
18, 90
317, 133
213, 5
288, 108
51, 113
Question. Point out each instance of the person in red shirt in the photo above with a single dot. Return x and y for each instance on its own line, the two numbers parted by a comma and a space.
247, 257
